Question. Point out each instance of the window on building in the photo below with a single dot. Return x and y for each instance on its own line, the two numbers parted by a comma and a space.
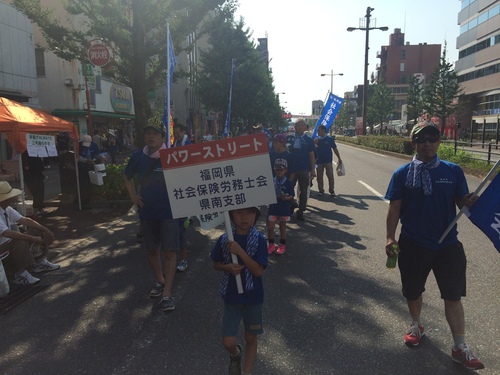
40, 62
403, 54
402, 67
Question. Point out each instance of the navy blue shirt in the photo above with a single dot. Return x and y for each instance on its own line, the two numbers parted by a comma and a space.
153, 189
300, 150
324, 150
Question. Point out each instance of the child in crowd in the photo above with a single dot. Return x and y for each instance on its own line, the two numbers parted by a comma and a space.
280, 211
250, 248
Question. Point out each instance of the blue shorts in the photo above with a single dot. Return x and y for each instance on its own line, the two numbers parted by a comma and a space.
251, 315
448, 265
160, 234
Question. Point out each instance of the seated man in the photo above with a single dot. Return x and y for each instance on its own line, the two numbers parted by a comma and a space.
27, 250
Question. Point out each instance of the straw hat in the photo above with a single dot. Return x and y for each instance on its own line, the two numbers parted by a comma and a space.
7, 192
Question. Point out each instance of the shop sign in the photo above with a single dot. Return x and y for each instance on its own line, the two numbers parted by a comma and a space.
121, 98
99, 54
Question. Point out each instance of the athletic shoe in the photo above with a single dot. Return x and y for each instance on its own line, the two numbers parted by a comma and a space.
25, 278
320, 193
281, 249
44, 266
271, 248
464, 356
235, 363
414, 334
333, 193
157, 290
167, 304
183, 264
300, 215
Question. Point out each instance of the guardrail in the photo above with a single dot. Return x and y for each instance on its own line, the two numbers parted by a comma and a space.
488, 152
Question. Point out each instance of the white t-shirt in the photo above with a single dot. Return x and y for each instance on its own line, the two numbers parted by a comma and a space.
13, 217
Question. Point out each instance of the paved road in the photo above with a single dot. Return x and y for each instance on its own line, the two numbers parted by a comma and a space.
331, 305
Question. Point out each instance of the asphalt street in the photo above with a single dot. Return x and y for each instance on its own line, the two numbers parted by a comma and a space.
331, 306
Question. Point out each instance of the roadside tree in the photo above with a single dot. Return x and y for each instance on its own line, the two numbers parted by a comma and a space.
442, 92
136, 30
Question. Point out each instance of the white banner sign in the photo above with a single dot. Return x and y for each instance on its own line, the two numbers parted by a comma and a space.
210, 177
39, 145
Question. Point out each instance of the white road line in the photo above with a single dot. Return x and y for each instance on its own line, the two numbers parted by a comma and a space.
377, 194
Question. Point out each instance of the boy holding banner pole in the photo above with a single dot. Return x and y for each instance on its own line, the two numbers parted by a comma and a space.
241, 251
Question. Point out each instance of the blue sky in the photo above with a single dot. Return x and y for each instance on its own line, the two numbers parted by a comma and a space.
307, 38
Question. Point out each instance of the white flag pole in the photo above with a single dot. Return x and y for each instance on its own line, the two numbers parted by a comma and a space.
466, 209
234, 258
167, 125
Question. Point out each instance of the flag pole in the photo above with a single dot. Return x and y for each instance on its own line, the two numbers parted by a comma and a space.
167, 125
466, 209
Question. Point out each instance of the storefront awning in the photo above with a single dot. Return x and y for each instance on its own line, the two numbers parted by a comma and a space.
81, 112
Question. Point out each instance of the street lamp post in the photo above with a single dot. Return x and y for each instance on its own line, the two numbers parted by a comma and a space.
367, 28
331, 78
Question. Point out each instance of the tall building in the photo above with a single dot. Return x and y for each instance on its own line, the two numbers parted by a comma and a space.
17, 56
399, 61
478, 65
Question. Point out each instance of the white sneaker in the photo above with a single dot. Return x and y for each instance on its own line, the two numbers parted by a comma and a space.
25, 278
44, 265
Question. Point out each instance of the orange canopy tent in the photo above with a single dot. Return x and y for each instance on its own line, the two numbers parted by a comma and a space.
16, 120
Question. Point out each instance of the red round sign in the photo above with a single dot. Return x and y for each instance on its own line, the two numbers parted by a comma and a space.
99, 54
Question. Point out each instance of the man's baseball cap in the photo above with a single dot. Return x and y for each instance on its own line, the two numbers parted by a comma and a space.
425, 127
86, 140
280, 138
156, 123
280, 164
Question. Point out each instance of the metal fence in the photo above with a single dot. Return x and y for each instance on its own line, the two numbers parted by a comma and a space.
488, 152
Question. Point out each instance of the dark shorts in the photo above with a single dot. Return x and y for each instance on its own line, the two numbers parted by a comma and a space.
251, 315
182, 233
161, 234
448, 265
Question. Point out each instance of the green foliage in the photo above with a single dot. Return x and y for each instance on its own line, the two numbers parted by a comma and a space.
402, 146
135, 29
113, 188
253, 97
345, 118
414, 99
380, 103
440, 95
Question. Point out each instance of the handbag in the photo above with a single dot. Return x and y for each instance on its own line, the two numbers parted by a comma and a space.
341, 169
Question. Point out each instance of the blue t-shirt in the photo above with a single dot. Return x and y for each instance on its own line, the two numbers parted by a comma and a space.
248, 297
324, 150
273, 155
179, 143
282, 207
424, 218
153, 190
300, 150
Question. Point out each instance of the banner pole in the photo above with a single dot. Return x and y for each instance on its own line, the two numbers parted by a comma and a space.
234, 258
466, 209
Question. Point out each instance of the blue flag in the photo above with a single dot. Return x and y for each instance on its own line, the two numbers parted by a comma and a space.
330, 110
171, 63
485, 212
228, 115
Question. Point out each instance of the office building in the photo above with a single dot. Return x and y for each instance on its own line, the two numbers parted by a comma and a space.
478, 65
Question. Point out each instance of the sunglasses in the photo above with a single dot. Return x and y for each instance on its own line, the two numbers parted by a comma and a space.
431, 139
